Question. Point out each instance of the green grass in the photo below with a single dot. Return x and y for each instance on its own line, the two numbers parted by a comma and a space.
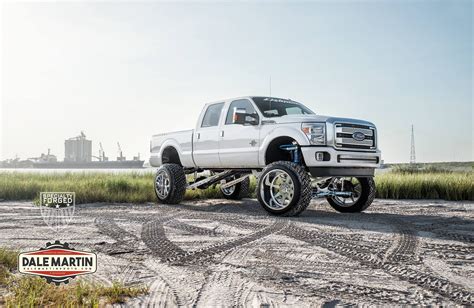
89, 187
423, 185
8, 263
400, 183
29, 291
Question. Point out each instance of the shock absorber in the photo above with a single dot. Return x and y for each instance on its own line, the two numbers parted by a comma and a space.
294, 150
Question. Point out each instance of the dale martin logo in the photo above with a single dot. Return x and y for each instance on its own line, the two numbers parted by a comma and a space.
57, 262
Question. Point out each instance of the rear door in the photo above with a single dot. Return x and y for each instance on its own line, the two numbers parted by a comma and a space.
239, 144
206, 137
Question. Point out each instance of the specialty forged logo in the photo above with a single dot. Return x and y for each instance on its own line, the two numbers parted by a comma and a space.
57, 208
57, 262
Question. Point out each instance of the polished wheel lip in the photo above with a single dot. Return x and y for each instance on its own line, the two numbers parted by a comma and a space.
162, 184
342, 202
281, 187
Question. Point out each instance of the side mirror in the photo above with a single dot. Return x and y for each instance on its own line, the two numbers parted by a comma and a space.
239, 116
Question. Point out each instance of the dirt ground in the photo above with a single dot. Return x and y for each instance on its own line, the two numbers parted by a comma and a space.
222, 253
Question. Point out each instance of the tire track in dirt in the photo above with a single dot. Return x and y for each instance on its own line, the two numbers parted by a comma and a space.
449, 235
213, 279
450, 251
183, 226
158, 295
180, 282
223, 288
125, 242
243, 224
381, 296
204, 254
154, 236
404, 247
109, 227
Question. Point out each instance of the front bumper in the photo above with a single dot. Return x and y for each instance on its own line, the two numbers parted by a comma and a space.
334, 162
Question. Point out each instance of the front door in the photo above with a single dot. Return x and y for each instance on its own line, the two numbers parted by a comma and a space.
239, 144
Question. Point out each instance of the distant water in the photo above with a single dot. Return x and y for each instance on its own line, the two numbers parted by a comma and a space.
37, 170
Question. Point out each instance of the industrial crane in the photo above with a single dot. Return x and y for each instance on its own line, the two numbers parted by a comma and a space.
120, 157
102, 153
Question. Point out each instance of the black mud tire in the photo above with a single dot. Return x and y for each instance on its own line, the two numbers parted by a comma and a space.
365, 200
178, 184
242, 190
302, 188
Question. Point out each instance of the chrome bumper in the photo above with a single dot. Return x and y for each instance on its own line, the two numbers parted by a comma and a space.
337, 158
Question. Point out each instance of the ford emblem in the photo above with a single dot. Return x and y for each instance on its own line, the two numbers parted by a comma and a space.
358, 136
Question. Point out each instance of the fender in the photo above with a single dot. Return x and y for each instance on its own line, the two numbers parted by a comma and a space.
280, 131
170, 143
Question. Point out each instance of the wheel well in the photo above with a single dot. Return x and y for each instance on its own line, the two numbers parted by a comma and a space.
274, 153
170, 156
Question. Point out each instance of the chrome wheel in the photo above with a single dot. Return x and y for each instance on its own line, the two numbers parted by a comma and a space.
162, 184
352, 185
228, 190
278, 189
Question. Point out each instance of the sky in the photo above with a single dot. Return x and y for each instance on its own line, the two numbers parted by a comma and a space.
122, 71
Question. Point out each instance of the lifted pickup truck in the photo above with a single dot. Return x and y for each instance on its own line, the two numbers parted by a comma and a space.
295, 154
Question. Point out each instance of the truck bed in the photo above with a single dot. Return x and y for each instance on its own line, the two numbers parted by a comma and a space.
180, 140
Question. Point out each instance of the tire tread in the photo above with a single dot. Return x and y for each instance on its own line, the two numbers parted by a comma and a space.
178, 184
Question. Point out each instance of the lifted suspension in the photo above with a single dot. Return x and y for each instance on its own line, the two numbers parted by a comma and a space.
294, 150
318, 192
213, 179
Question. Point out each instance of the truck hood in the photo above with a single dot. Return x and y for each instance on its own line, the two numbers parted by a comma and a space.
316, 118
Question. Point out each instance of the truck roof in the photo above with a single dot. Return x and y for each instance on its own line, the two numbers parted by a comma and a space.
246, 97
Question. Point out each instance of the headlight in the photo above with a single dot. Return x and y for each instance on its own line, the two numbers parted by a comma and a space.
316, 132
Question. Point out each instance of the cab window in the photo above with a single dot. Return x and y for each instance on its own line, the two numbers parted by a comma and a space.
244, 104
212, 115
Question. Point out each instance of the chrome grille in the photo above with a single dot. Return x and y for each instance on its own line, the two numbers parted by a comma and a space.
344, 136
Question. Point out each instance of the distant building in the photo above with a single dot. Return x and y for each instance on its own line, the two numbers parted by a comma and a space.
78, 149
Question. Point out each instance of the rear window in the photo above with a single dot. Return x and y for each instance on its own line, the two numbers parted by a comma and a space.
212, 115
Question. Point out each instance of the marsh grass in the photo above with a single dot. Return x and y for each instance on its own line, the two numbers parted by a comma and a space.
89, 187
426, 185
8, 263
400, 183
28, 291
8, 258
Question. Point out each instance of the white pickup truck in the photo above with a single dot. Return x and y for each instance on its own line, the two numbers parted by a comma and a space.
295, 154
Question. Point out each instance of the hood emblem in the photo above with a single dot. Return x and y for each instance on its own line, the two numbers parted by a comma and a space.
358, 136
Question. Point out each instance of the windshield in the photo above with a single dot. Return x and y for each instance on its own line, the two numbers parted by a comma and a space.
277, 107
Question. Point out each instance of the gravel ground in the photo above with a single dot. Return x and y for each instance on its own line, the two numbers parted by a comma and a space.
222, 253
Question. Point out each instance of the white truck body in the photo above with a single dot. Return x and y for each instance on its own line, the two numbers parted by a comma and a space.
228, 146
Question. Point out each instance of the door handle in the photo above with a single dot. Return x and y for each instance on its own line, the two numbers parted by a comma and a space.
222, 133
198, 135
